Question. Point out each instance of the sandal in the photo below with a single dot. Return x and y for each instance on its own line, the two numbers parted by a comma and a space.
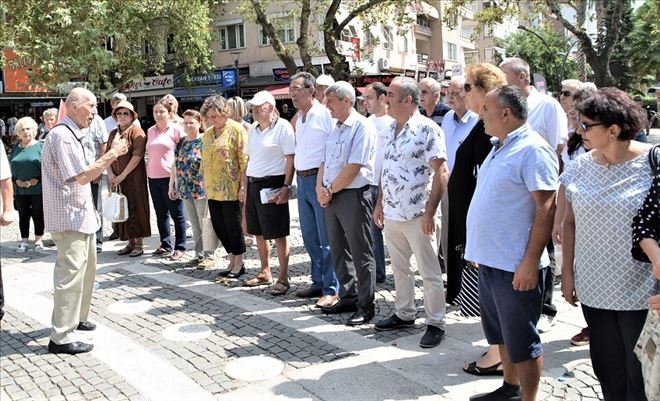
125, 250
136, 252
280, 288
493, 370
257, 281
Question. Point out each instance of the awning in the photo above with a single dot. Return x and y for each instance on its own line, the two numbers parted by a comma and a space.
279, 91
429, 10
155, 93
198, 92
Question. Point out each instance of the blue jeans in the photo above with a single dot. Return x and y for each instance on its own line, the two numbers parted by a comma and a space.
377, 235
315, 236
166, 207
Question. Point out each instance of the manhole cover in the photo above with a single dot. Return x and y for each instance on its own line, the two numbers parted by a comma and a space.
130, 306
254, 368
187, 332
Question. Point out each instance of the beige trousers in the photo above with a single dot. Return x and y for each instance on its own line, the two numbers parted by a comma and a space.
75, 270
404, 239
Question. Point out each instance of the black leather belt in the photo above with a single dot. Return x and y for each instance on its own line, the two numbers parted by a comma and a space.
257, 179
306, 173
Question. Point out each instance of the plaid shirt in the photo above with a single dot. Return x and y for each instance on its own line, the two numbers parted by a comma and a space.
70, 205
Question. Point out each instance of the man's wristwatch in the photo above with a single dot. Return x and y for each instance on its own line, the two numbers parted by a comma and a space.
329, 188
28, 184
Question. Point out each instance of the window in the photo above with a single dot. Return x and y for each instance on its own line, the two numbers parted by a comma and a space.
404, 44
285, 28
348, 33
488, 31
489, 54
423, 21
232, 37
451, 51
371, 40
388, 38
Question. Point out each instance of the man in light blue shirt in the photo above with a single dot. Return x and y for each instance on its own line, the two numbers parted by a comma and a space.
343, 189
508, 226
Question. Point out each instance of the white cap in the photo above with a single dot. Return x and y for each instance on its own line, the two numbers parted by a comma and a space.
325, 80
261, 98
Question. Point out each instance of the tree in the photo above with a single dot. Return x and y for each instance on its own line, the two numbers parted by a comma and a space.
597, 52
92, 40
642, 46
552, 62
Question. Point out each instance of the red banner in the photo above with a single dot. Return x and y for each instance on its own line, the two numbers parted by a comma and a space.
16, 74
356, 48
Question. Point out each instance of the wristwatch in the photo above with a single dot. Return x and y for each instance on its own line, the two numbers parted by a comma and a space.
28, 184
329, 188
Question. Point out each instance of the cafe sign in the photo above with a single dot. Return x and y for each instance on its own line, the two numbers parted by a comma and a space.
150, 83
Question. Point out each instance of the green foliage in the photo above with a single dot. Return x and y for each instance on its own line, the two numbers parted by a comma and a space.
641, 48
66, 40
546, 61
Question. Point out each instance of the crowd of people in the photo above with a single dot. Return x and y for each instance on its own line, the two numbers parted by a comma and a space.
509, 171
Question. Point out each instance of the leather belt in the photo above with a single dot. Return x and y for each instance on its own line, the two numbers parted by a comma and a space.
257, 179
306, 173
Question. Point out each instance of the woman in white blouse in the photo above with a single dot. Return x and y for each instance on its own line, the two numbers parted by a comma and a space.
604, 189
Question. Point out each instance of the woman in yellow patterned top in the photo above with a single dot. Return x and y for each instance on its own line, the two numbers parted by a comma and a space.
224, 160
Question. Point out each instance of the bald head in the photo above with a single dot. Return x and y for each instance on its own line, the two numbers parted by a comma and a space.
81, 106
456, 96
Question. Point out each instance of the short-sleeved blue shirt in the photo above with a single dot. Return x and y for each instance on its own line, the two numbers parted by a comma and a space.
502, 210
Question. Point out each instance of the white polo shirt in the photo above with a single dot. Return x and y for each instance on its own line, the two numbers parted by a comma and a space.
547, 118
456, 130
383, 126
266, 149
311, 135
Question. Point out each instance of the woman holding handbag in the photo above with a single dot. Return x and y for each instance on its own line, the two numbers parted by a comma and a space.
129, 173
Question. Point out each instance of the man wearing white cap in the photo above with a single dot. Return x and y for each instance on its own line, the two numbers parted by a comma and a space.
322, 83
271, 146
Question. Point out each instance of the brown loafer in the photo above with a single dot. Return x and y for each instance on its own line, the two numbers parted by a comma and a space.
136, 252
125, 250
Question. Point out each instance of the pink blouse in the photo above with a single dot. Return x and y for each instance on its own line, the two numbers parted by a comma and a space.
160, 148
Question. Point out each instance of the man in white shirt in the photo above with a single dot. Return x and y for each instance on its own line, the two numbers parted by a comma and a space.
375, 102
7, 203
313, 124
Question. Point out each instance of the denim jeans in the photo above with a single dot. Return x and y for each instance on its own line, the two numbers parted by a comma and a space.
377, 235
165, 207
315, 236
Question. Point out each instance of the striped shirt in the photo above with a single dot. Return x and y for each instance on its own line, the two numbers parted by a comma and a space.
70, 205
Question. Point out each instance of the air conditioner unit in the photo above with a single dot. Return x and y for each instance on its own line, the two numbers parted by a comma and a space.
383, 64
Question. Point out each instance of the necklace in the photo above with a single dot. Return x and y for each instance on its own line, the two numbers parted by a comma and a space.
609, 164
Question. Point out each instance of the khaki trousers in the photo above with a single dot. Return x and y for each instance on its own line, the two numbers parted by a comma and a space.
405, 238
75, 270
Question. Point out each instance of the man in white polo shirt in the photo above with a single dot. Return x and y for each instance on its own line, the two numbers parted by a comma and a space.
271, 145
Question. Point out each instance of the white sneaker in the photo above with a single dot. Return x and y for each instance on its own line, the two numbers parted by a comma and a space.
545, 323
38, 246
22, 247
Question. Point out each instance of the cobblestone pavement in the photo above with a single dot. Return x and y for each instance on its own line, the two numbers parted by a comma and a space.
190, 329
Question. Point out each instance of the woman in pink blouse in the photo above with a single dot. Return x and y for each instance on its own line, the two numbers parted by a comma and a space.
162, 139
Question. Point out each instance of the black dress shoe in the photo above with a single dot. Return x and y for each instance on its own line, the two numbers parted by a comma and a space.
310, 292
238, 274
113, 236
86, 326
393, 322
361, 317
71, 348
432, 337
339, 307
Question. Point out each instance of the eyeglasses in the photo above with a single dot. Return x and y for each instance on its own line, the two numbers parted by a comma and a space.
297, 88
566, 93
122, 113
585, 127
468, 87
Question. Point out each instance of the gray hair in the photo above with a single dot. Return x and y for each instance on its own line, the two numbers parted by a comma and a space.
118, 97
513, 98
52, 112
309, 80
408, 87
518, 65
572, 82
342, 90
436, 87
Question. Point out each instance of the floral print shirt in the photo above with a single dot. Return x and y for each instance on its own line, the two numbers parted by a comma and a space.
225, 160
189, 177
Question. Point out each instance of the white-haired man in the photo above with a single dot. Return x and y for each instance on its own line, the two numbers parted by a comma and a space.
429, 100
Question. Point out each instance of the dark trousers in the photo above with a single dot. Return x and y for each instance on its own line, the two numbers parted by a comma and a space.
613, 335
348, 220
30, 207
377, 236
548, 308
166, 207
226, 219
96, 194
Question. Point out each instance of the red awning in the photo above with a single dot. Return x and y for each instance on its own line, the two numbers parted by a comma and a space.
279, 91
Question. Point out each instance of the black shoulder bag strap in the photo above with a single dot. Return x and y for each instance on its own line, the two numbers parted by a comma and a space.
654, 159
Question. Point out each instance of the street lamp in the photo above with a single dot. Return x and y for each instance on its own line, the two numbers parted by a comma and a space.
547, 47
236, 56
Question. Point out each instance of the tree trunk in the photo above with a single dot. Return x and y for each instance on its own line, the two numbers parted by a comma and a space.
330, 44
282, 52
303, 39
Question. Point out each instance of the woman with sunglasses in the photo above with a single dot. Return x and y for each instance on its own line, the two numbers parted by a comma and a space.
604, 190
130, 174
462, 286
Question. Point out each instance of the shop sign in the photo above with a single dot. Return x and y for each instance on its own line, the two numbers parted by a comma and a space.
229, 78
150, 83
410, 73
17, 78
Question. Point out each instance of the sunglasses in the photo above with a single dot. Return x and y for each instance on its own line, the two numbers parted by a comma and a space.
566, 93
468, 87
122, 113
585, 127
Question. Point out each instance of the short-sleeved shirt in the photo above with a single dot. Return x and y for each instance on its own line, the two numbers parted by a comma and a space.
26, 165
438, 114
190, 179
266, 149
5, 170
70, 205
95, 136
351, 142
501, 213
547, 118
160, 147
311, 136
407, 173
383, 125
604, 202
224, 160
456, 130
